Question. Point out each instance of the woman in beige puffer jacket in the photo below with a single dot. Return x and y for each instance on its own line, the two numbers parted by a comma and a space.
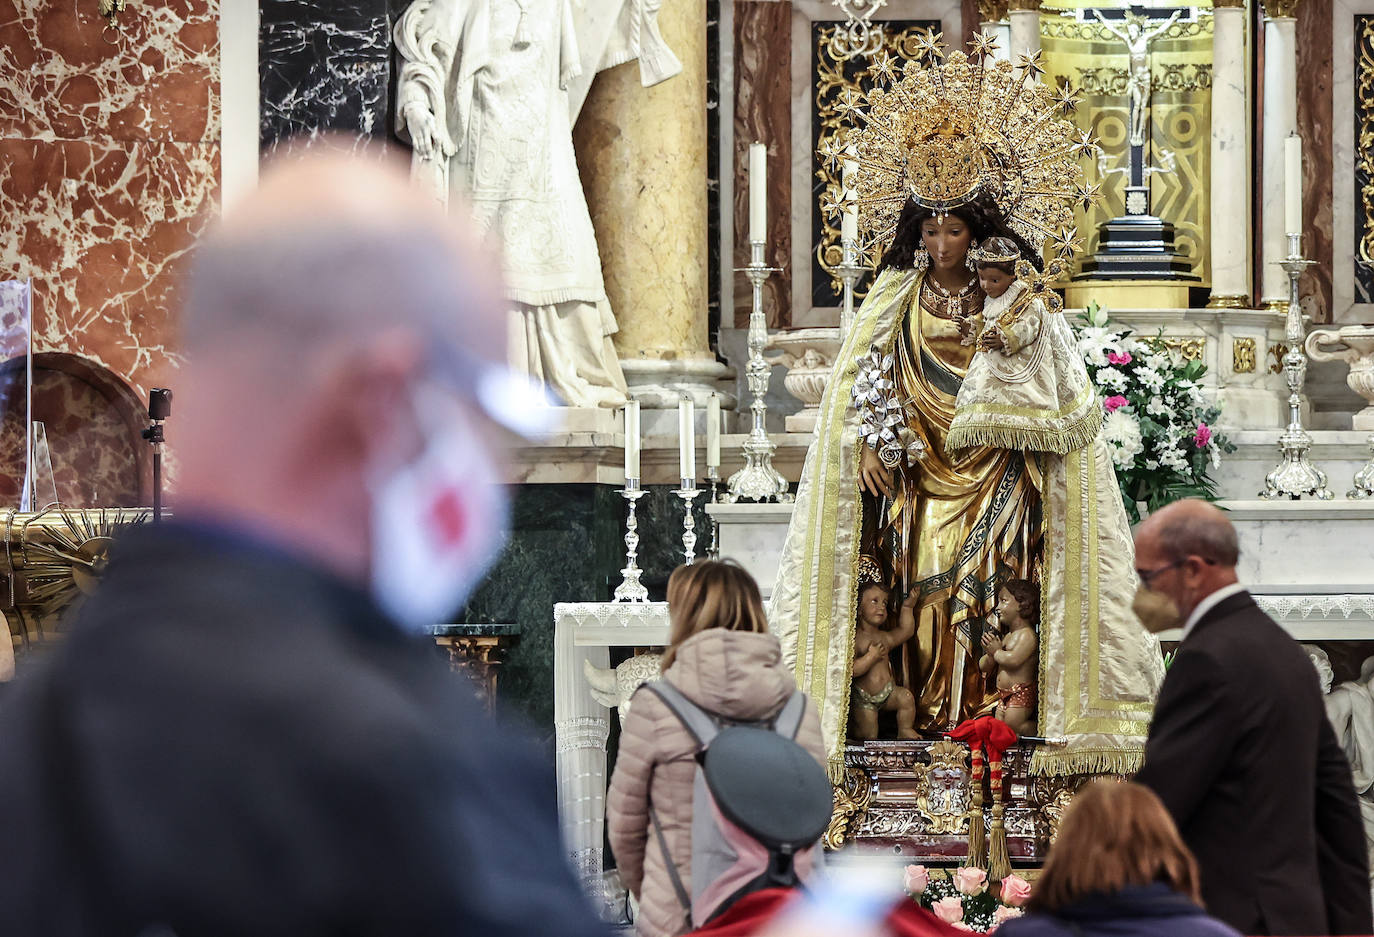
721, 658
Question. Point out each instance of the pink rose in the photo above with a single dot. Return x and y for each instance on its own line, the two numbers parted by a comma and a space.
1203, 435
1015, 890
1114, 402
960, 925
915, 878
949, 909
970, 881
1119, 357
1004, 914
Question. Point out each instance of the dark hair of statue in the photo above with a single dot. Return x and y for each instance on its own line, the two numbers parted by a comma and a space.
982, 218
1001, 246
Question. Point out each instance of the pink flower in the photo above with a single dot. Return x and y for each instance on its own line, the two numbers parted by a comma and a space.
1123, 357
1015, 890
915, 878
970, 881
949, 909
1115, 402
1203, 435
960, 925
1003, 914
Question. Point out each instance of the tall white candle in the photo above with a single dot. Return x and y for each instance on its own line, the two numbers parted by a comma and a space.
713, 432
758, 191
686, 438
632, 439
1292, 184
849, 221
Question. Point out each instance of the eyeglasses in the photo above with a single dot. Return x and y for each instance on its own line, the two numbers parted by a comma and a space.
1147, 574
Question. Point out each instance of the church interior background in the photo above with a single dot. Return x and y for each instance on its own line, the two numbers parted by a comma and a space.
122, 135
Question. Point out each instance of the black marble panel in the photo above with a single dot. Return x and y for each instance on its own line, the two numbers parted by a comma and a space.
567, 545
323, 65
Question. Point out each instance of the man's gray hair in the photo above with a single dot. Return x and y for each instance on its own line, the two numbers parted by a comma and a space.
1210, 537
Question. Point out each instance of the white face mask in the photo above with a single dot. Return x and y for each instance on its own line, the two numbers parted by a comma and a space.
438, 523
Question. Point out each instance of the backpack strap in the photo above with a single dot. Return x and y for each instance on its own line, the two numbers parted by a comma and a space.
789, 719
683, 898
698, 722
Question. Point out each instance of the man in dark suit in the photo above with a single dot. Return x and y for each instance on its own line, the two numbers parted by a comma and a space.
247, 731
1240, 749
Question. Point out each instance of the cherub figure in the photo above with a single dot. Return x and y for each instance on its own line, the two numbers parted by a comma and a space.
874, 688
1013, 654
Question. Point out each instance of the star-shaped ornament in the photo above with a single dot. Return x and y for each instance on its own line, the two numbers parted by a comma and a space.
1067, 99
1032, 64
1067, 242
884, 67
848, 105
829, 151
1087, 143
1089, 193
985, 46
931, 45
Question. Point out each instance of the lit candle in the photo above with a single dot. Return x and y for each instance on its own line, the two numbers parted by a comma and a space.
1292, 186
713, 432
758, 191
686, 439
632, 439
849, 221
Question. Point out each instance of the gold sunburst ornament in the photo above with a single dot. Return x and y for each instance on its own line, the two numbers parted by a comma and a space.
955, 129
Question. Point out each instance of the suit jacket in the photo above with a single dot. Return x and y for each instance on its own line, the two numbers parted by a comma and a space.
232, 742
1242, 754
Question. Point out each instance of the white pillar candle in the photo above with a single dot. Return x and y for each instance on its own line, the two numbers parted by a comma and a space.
713, 432
686, 439
849, 221
632, 439
1292, 184
758, 191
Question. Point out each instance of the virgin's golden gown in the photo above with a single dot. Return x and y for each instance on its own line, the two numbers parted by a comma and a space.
957, 527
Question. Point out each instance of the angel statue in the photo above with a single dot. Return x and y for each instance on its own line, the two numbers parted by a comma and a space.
487, 94
1138, 39
951, 154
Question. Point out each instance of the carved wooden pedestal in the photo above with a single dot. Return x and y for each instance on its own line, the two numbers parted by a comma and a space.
478, 652
911, 799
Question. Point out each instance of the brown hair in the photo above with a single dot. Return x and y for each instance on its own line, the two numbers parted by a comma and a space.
1027, 595
711, 594
1114, 834
1000, 246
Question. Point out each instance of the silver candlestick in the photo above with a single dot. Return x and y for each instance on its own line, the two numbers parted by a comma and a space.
631, 589
1364, 478
758, 480
713, 476
688, 493
1295, 476
848, 270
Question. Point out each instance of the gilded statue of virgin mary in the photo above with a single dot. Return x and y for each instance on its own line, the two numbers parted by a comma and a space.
950, 152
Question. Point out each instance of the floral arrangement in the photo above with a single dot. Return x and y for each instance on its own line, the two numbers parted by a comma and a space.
1159, 426
963, 899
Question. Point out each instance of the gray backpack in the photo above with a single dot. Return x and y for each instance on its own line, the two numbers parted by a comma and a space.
758, 798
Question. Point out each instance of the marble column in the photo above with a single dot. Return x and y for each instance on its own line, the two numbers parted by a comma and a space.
642, 156
992, 16
1280, 119
1230, 194
1025, 27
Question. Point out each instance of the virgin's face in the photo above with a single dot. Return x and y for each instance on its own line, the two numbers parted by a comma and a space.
947, 241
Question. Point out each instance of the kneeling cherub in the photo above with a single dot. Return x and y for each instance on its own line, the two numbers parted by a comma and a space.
874, 688
1013, 655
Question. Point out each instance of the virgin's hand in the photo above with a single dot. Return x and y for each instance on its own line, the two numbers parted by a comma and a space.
875, 477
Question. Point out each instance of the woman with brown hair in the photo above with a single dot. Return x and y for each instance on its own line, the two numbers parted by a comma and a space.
1118, 868
722, 658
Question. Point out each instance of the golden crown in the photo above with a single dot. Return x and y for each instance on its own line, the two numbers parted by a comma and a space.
961, 127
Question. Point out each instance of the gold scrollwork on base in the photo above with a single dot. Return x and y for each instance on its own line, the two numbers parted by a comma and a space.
943, 789
1276, 351
852, 797
1364, 149
1243, 356
1191, 349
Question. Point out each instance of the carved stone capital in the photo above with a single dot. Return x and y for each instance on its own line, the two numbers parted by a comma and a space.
992, 11
1228, 4
1280, 9
1017, 6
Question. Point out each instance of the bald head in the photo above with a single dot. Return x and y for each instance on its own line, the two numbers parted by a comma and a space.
334, 247
1191, 527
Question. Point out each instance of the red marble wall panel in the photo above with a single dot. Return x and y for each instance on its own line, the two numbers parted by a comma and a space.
763, 112
1314, 125
109, 165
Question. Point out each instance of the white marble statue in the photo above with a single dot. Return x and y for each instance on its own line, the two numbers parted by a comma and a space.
1138, 39
484, 98
1350, 707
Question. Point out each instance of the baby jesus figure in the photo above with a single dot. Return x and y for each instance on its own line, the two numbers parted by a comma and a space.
874, 689
1013, 654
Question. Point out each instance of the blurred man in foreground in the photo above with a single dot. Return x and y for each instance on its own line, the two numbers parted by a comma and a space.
1240, 749
245, 733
